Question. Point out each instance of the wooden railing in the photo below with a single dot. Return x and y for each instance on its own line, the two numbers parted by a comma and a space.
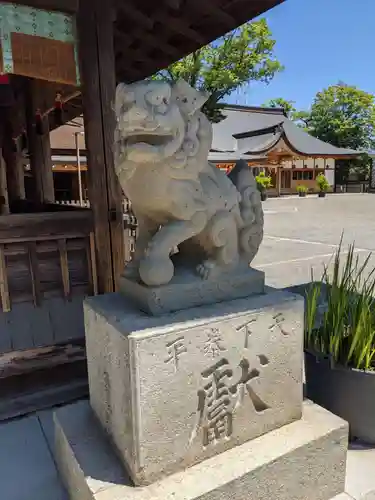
74, 203
130, 223
44, 255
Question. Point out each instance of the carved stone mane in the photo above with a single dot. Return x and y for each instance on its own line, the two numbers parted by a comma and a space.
181, 201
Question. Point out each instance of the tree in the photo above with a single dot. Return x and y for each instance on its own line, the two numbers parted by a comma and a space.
239, 57
280, 102
299, 117
344, 116
302, 119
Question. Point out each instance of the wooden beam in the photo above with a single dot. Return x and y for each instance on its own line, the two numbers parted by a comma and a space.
35, 273
180, 27
107, 78
98, 76
146, 39
4, 197
136, 15
91, 264
4, 286
208, 7
64, 265
14, 172
39, 146
170, 22
72, 109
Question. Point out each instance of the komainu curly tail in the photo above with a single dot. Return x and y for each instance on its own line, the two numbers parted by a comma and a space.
251, 233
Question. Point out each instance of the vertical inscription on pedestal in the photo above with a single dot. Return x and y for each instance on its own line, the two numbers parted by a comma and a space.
213, 345
175, 348
278, 322
219, 398
245, 329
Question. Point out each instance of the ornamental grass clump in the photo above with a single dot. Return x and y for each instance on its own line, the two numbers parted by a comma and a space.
263, 181
343, 326
302, 189
322, 183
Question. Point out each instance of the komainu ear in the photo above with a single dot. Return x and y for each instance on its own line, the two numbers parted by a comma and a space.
189, 98
124, 95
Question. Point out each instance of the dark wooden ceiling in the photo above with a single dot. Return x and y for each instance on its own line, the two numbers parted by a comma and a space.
150, 35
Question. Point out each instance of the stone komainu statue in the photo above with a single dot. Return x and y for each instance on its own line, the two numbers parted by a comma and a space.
181, 201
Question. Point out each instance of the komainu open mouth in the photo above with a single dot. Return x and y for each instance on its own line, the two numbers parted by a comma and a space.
151, 139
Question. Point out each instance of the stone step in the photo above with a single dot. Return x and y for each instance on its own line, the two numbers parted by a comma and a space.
342, 496
304, 460
346, 496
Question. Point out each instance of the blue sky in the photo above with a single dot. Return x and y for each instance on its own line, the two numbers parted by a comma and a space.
320, 42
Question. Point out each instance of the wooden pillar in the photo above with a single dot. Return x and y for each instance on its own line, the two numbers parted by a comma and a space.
15, 174
39, 146
278, 180
4, 198
95, 31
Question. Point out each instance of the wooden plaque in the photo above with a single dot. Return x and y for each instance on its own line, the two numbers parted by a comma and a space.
44, 58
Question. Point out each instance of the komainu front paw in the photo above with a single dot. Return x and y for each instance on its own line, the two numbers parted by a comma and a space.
207, 269
156, 270
131, 270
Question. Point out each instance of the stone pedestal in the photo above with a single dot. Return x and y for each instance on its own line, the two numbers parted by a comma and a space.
200, 404
187, 290
175, 390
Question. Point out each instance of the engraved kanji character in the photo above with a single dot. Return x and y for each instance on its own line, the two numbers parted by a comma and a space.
219, 398
212, 346
246, 329
243, 384
175, 349
215, 403
278, 320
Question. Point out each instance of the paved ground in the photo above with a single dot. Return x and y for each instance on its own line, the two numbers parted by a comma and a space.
302, 233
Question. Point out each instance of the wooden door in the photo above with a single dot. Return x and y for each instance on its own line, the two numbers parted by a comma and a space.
286, 179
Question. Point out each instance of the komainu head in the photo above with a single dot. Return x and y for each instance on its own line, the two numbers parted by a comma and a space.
152, 118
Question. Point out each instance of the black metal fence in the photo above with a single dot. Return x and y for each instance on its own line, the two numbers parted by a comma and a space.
353, 187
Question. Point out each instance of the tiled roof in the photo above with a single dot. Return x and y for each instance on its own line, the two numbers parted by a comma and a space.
260, 130
249, 131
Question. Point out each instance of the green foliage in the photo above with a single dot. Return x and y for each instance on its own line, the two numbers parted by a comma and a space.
263, 181
344, 116
322, 183
302, 189
346, 331
301, 118
239, 57
279, 102
341, 115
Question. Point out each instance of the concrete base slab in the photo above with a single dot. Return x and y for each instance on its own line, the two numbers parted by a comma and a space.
304, 460
360, 472
369, 496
